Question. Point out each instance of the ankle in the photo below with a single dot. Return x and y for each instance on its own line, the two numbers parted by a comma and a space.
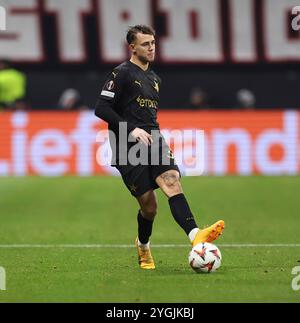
193, 233
144, 246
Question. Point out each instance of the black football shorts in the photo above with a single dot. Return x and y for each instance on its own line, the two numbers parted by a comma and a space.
141, 178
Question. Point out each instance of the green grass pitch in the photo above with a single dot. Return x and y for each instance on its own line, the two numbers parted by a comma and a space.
100, 211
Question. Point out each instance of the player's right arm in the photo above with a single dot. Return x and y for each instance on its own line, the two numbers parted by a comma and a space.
105, 106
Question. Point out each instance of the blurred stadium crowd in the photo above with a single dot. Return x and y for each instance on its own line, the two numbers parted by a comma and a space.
14, 95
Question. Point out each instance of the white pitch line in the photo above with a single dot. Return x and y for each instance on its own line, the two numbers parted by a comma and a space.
99, 246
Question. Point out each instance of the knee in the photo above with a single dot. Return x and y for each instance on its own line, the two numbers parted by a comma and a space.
171, 183
149, 211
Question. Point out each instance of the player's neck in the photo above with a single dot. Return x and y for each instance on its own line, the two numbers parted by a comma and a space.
137, 62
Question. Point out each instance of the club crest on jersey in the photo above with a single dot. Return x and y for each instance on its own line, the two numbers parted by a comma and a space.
138, 83
110, 85
156, 86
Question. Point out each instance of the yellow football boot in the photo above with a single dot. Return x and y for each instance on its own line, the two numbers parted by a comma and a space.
144, 256
209, 234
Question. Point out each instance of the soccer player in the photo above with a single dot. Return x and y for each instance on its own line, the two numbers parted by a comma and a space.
130, 99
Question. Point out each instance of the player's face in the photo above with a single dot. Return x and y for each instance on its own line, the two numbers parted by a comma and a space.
144, 48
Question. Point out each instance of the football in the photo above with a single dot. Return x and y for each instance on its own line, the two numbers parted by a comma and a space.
205, 258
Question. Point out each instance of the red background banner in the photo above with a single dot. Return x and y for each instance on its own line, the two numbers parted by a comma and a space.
59, 143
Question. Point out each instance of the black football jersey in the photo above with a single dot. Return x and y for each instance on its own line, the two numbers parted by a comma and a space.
134, 95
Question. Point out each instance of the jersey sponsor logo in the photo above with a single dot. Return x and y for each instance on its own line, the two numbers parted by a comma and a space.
156, 86
138, 83
110, 85
146, 103
108, 94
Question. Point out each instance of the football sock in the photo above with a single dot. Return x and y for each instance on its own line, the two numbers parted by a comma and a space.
193, 233
144, 229
144, 245
182, 213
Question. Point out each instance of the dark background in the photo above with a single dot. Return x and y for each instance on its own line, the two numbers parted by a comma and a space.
275, 86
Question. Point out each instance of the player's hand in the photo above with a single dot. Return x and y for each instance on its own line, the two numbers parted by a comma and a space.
142, 136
